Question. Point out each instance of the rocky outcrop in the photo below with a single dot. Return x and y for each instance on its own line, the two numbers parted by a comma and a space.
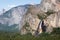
33, 21
50, 5
52, 21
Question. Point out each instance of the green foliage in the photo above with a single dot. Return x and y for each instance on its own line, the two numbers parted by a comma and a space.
39, 16
43, 36
56, 31
6, 27
49, 12
43, 16
26, 25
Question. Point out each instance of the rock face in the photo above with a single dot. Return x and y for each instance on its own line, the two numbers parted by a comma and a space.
33, 20
52, 21
50, 5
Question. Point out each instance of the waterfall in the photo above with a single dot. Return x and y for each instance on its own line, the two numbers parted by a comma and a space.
41, 27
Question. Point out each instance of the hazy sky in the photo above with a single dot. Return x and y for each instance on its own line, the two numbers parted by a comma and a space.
7, 4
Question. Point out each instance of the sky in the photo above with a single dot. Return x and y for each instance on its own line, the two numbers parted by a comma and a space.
8, 4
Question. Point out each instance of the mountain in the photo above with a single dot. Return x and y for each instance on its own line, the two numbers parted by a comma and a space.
13, 16
24, 18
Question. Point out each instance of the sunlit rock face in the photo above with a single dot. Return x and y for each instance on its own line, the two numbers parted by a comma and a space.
33, 20
50, 5
46, 5
52, 21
